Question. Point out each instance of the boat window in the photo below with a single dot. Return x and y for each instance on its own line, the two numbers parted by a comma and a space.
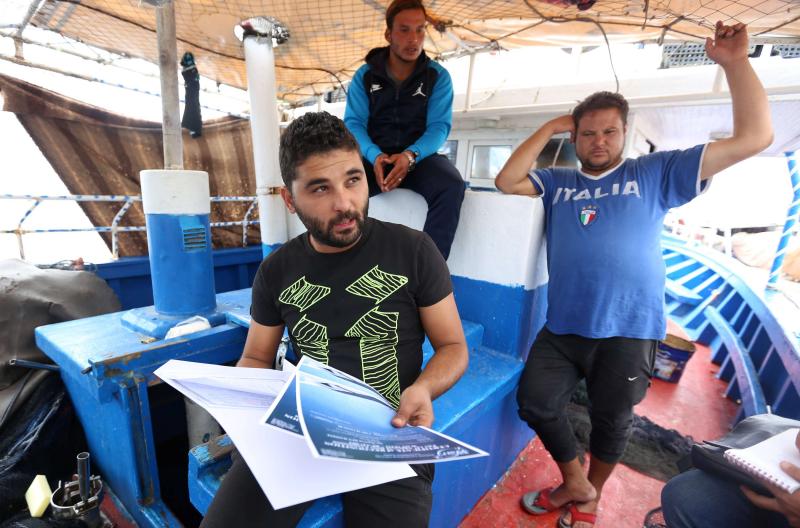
486, 162
449, 150
558, 152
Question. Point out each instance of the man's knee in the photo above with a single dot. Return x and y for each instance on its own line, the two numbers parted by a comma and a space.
695, 498
672, 502
404, 503
454, 183
437, 170
533, 406
610, 433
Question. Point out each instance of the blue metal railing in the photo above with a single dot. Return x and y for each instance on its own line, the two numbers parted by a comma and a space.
759, 353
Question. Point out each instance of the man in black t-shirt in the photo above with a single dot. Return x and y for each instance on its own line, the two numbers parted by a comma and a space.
359, 295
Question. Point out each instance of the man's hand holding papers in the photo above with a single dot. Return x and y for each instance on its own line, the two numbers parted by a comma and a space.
331, 432
415, 408
343, 418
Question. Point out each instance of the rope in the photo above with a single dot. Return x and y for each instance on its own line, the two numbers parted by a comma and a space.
563, 20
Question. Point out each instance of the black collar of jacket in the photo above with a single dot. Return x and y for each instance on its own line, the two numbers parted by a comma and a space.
378, 59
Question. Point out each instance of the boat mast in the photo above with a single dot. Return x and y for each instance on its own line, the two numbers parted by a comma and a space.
259, 37
170, 107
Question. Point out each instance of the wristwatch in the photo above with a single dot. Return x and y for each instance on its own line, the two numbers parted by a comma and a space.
412, 159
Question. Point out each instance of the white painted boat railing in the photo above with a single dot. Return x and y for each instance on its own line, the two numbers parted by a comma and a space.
114, 228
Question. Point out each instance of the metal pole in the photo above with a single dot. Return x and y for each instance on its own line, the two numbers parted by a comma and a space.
32, 9
791, 220
168, 68
84, 473
260, 63
468, 95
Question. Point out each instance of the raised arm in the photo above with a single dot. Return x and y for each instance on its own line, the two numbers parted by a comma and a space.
261, 346
752, 125
443, 327
513, 177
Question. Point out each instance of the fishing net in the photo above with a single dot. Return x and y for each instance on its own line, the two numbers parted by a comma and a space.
329, 39
651, 449
654, 519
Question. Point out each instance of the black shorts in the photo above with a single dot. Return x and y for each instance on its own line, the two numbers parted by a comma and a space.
240, 503
617, 372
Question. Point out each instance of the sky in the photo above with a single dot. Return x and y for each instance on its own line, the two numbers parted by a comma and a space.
25, 171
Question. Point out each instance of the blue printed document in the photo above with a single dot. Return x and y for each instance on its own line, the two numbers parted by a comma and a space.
283, 413
343, 418
282, 464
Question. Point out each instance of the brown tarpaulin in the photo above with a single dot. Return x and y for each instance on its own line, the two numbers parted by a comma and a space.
97, 152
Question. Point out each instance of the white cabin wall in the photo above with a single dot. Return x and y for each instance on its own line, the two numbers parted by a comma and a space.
500, 238
641, 128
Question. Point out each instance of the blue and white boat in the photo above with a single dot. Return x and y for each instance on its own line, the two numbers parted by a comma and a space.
136, 428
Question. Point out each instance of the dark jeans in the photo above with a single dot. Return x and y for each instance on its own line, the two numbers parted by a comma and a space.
697, 499
617, 372
240, 503
439, 182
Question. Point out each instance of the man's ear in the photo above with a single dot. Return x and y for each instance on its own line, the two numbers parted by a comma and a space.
388, 35
287, 199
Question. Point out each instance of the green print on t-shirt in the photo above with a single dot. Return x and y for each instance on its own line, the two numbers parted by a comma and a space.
303, 294
375, 330
376, 284
377, 333
311, 337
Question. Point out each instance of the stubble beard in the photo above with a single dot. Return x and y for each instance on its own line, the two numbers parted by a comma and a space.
613, 162
325, 234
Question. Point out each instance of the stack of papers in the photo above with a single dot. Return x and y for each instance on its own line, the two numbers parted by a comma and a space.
310, 432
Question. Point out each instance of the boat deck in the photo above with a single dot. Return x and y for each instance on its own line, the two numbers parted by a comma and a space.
694, 406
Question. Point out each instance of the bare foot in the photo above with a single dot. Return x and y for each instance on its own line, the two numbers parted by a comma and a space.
589, 506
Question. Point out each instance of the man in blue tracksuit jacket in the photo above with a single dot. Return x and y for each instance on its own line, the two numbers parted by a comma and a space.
399, 108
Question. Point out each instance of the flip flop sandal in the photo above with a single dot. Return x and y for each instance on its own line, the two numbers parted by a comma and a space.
576, 516
538, 502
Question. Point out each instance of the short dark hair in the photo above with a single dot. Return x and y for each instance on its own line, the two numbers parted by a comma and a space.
601, 101
310, 134
402, 5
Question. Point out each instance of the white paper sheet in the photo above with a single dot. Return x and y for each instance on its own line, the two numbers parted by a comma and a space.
281, 463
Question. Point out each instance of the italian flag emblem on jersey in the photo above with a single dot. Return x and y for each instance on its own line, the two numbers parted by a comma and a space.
588, 215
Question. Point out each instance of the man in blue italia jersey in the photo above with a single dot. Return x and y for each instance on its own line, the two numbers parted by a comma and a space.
605, 308
399, 108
